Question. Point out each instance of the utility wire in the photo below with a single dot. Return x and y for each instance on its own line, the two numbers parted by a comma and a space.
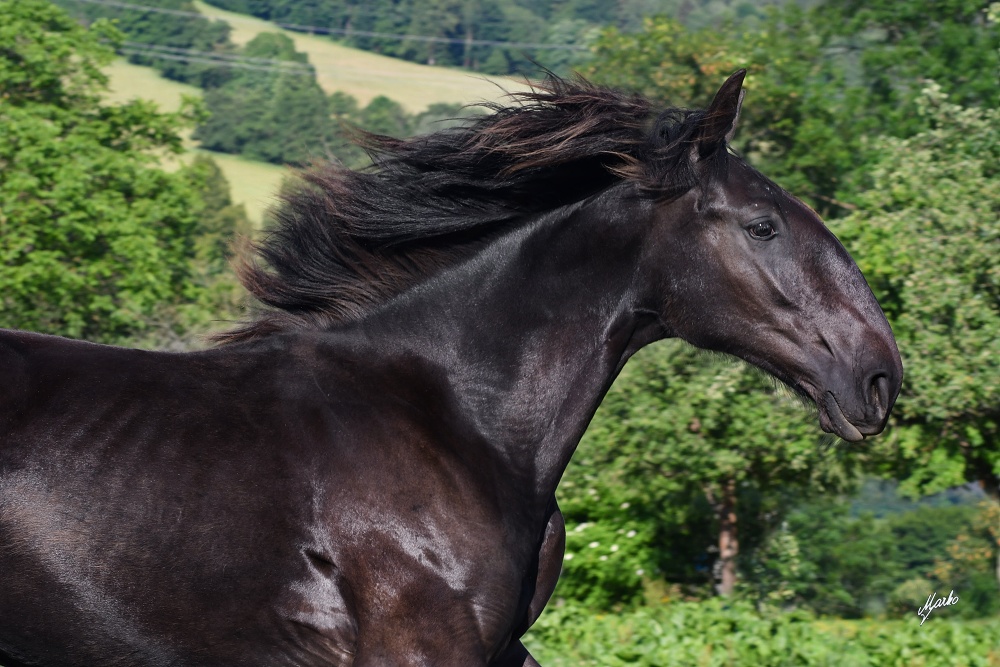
281, 65
234, 61
345, 32
207, 61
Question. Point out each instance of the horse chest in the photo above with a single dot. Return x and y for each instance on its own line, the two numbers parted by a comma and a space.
424, 570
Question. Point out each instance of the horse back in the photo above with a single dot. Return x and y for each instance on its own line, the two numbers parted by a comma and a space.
203, 508
147, 501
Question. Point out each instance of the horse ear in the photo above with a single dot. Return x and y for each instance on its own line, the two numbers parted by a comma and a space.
718, 125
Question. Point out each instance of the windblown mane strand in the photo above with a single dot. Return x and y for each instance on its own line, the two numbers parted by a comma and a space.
345, 241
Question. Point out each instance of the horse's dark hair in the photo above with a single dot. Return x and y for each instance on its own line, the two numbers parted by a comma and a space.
345, 241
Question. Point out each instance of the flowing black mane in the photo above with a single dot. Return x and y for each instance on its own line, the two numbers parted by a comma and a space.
345, 241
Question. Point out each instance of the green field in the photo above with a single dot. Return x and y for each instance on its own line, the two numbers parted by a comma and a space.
253, 184
129, 82
366, 75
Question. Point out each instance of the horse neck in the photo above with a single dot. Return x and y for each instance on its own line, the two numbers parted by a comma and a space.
531, 331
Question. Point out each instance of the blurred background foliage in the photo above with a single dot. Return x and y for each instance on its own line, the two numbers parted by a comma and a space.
708, 522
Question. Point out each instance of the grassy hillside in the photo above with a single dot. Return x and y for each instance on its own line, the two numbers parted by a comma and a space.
253, 183
129, 82
360, 73
366, 75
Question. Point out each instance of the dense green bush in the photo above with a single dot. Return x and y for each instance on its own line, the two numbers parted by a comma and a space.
717, 634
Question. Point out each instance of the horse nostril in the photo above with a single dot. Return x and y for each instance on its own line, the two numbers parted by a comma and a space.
879, 392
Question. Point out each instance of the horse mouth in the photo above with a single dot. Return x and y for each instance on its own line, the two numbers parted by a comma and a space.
831, 416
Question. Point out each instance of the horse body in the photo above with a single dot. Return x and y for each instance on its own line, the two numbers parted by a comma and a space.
249, 464
381, 491
196, 531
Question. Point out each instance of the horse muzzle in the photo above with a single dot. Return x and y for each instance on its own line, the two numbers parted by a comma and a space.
853, 409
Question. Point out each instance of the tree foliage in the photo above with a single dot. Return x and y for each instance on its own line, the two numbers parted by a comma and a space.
900, 45
680, 441
926, 235
94, 237
821, 82
471, 33
918, 175
172, 34
271, 116
856, 565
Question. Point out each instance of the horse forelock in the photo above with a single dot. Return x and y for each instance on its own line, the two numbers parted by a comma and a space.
345, 241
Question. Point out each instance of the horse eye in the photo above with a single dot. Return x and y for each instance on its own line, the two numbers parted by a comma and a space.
761, 230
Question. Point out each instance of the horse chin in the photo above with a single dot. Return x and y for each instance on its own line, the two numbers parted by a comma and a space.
831, 416
832, 419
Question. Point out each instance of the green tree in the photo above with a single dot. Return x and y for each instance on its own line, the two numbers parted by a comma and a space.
926, 234
852, 566
681, 426
281, 117
174, 35
213, 298
435, 18
971, 563
900, 45
822, 82
94, 238
385, 116
801, 125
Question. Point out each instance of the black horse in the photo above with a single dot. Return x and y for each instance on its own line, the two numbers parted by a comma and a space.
365, 473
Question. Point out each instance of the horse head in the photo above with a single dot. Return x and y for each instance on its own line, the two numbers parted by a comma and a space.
747, 269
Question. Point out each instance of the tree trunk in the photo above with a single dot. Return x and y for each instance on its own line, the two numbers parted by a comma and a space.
467, 60
724, 505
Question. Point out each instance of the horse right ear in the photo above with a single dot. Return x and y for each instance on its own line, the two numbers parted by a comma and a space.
718, 125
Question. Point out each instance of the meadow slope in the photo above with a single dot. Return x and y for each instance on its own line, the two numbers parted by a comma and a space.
360, 73
252, 183
366, 75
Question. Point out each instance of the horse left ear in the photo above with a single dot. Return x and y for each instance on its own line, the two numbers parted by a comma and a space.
718, 125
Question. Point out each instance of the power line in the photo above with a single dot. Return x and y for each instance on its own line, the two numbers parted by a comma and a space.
233, 61
283, 65
279, 65
208, 61
345, 32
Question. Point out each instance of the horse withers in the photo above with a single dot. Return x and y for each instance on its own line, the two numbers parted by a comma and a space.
364, 473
